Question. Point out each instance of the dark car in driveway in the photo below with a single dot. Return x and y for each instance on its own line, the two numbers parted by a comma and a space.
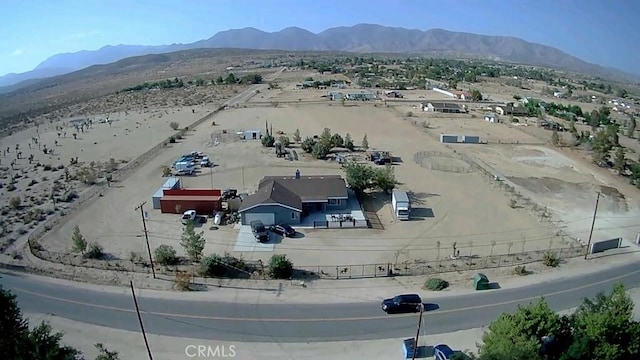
283, 229
442, 352
404, 303
259, 231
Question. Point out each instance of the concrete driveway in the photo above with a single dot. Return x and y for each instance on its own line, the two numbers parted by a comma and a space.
247, 242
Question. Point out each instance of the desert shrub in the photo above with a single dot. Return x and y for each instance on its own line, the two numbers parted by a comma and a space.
174, 125
135, 258
182, 281
165, 255
95, 251
78, 241
550, 259
213, 265
172, 140
436, 284
520, 270
69, 196
11, 187
47, 167
513, 203
166, 171
284, 140
409, 114
33, 182
280, 267
15, 202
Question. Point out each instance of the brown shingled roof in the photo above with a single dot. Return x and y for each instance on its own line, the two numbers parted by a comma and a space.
313, 188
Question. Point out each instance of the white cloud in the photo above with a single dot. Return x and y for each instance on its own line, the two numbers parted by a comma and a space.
17, 52
76, 36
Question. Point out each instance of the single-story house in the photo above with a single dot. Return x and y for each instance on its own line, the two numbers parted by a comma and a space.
362, 95
287, 199
462, 95
443, 107
510, 110
335, 95
491, 117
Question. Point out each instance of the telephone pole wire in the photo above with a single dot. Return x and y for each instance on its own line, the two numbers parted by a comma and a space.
146, 236
144, 334
593, 223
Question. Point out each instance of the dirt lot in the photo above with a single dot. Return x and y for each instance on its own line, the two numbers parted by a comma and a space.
129, 135
444, 213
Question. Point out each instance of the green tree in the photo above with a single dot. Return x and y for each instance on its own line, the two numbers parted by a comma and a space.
308, 144
594, 120
105, 354
296, 136
384, 178
365, 142
337, 140
632, 126
453, 84
79, 241
348, 142
359, 176
284, 140
231, 79
476, 95
192, 242
320, 150
603, 328
18, 342
619, 161
520, 335
268, 140
325, 137
219, 80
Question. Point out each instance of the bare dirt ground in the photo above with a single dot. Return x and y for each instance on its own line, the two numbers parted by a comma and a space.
33, 181
439, 217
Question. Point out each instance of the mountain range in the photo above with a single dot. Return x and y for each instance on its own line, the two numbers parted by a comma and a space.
361, 38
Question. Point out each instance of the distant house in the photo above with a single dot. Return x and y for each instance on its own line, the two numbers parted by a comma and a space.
462, 95
443, 107
335, 95
491, 117
510, 110
362, 95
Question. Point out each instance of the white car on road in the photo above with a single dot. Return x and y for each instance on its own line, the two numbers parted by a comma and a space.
188, 216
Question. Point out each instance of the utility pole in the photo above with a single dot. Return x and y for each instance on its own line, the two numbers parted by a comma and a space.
593, 222
144, 334
146, 236
415, 341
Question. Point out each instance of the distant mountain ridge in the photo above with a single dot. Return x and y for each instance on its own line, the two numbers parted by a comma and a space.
363, 38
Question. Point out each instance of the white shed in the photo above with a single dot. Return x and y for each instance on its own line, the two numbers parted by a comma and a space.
493, 118
250, 135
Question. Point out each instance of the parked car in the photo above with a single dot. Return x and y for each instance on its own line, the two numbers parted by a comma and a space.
188, 216
402, 304
229, 194
283, 229
382, 161
259, 231
205, 162
442, 352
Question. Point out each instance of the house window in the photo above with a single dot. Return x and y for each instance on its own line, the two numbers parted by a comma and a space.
293, 215
334, 202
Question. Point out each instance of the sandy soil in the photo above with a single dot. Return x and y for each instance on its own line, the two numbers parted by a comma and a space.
437, 216
128, 135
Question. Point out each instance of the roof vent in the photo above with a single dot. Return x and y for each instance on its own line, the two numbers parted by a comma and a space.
297, 174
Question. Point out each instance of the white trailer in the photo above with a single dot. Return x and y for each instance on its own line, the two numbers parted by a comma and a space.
401, 205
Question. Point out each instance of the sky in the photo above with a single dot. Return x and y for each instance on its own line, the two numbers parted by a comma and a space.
598, 31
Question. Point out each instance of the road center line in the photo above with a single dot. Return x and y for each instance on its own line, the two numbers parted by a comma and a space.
365, 318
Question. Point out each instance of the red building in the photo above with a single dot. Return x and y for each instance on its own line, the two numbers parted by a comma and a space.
203, 201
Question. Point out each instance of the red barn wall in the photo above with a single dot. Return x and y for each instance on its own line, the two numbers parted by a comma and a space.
201, 206
191, 192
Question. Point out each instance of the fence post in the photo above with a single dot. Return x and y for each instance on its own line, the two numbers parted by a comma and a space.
363, 271
350, 268
389, 269
337, 272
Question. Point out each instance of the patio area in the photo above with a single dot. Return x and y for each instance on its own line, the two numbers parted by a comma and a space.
351, 217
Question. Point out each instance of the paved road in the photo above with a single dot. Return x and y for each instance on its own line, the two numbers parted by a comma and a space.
298, 323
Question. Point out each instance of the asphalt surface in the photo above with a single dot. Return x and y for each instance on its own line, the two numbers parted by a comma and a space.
300, 322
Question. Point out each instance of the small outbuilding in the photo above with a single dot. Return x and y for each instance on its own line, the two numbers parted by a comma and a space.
250, 135
480, 281
172, 183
